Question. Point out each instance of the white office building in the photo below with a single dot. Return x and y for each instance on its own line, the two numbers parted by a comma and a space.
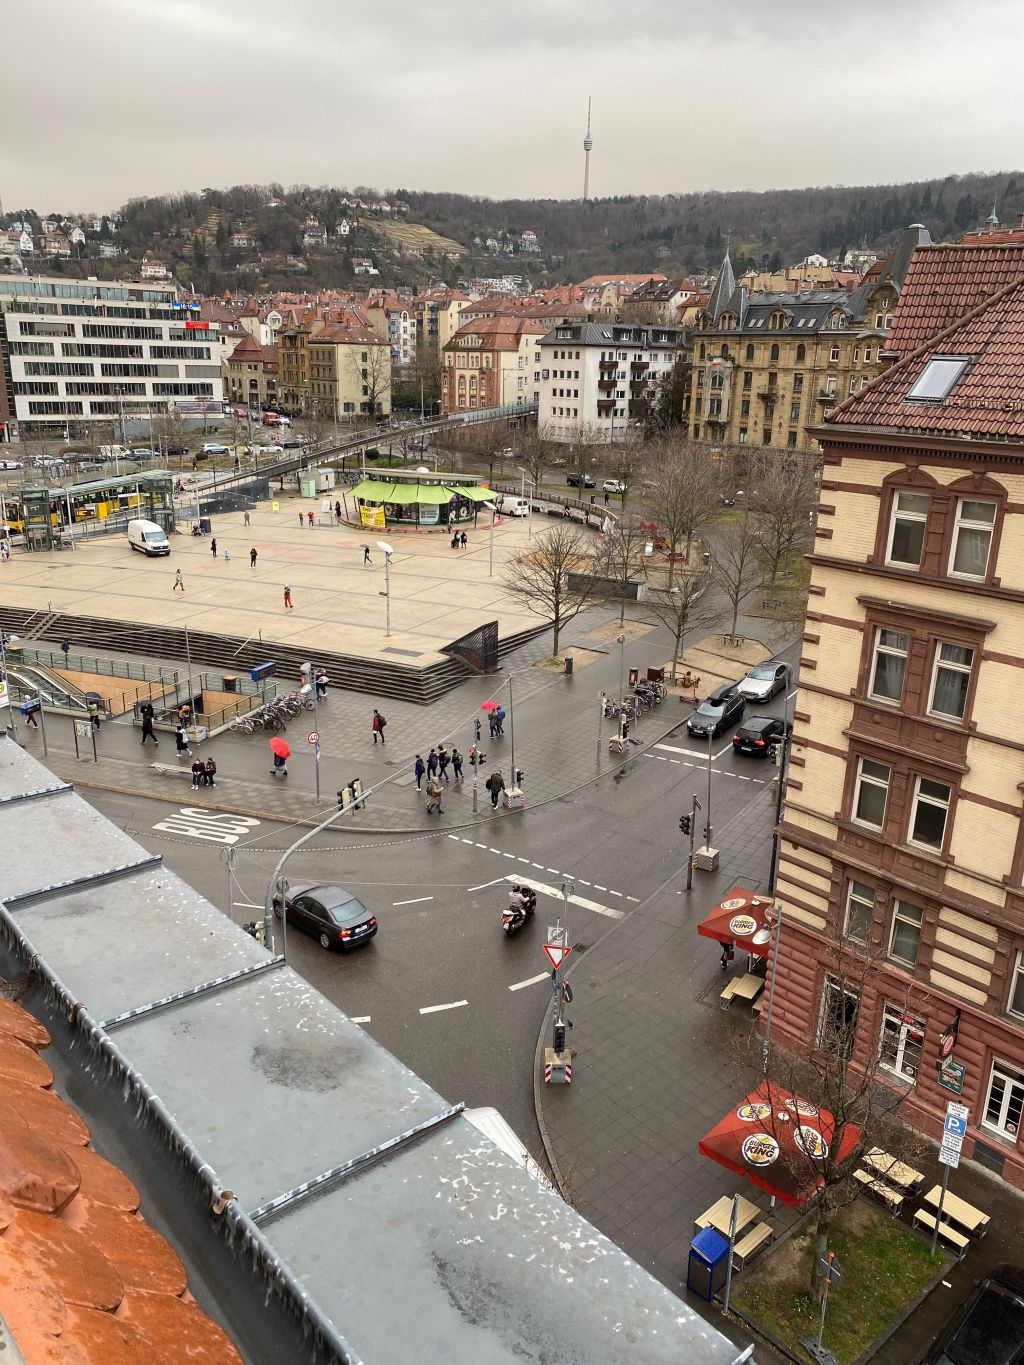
80, 351
598, 379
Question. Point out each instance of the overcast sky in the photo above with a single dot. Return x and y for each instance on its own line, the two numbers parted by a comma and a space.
109, 99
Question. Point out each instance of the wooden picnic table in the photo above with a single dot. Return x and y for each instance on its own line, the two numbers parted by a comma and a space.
958, 1211
719, 1215
897, 1173
748, 987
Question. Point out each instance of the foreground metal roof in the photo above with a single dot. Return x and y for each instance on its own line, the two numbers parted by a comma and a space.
295, 1163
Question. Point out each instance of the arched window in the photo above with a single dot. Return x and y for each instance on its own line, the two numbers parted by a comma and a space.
801, 352
750, 351
725, 348
775, 351
703, 350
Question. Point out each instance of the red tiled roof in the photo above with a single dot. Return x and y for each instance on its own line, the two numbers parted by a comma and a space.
986, 402
944, 283
84, 1279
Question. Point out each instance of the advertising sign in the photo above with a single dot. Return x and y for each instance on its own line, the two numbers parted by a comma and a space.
951, 1075
371, 516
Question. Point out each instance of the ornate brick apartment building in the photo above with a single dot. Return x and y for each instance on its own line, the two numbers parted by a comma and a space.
902, 842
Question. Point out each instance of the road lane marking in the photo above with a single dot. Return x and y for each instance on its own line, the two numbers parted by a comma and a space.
248, 905
436, 1009
634, 899
360, 1019
531, 981
598, 887
417, 901
581, 901
484, 885
554, 871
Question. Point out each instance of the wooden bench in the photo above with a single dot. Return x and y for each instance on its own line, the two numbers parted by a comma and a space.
958, 1211
730, 990
925, 1220
752, 1242
165, 770
885, 1194
897, 1173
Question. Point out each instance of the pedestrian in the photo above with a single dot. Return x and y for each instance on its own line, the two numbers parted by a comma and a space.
279, 769
288, 597
443, 759
366, 555
245, 518
606, 497
179, 581
434, 790
29, 712
463, 540
499, 716
213, 547
302, 519
252, 558
309, 518
198, 774
455, 540
184, 713
321, 679
65, 649
210, 773
148, 715
456, 764
495, 784
451, 521
432, 762
728, 953
492, 721
181, 740
337, 512
420, 771
377, 725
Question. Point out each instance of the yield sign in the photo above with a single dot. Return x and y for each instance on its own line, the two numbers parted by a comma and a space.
557, 953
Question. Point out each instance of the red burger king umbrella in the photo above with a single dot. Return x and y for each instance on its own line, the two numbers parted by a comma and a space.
741, 918
280, 747
780, 1142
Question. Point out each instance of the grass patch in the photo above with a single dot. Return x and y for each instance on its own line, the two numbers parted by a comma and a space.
884, 1264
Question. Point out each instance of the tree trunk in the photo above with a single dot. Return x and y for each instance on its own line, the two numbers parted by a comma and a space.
675, 653
820, 1253
672, 561
735, 614
556, 628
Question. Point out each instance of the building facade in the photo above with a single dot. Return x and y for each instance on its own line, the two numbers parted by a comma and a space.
79, 351
250, 374
598, 379
901, 868
492, 362
349, 373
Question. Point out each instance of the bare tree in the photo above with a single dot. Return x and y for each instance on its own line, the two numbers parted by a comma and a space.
483, 441
685, 495
621, 559
737, 563
552, 578
317, 417
533, 455
682, 608
782, 493
583, 437
370, 363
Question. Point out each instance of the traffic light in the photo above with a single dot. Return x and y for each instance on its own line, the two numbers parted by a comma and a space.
559, 1036
684, 823
255, 929
476, 729
342, 798
634, 676
519, 777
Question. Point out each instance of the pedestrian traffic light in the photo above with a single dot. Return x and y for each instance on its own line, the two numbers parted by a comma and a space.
634, 676
261, 933
519, 777
684, 824
342, 798
476, 729
559, 1036
357, 793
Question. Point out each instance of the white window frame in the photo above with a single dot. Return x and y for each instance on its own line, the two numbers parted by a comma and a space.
833, 354
868, 779
1016, 981
898, 917
831, 987
966, 523
1014, 1079
929, 800
965, 670
892, 651
896, 513
853, 896
903, 1026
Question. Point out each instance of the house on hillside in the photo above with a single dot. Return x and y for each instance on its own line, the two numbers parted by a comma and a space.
243, 241
153, 270
54, 244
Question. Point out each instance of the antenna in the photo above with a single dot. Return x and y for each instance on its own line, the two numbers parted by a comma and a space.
588, 143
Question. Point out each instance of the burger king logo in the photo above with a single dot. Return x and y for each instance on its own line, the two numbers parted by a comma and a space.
753, 1113
801, 1107
741, 925
811, 1143
736, 903
760, 1149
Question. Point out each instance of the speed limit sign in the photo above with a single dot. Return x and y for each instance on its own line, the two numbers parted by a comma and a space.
313, 737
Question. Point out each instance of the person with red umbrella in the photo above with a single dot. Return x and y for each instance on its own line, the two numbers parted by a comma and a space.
491, 708
281, 751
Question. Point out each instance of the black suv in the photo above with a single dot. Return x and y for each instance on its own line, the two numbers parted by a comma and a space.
757, 734
720, 710
989, 1327
574, 481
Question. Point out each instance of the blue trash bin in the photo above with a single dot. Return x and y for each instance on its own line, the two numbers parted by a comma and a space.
709, 1259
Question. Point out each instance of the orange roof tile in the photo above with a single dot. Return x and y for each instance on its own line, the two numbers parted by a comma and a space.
944, 283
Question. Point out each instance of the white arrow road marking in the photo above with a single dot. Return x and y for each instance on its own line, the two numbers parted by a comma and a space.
531, 981
581, 901
484, 885
360, 1019
417, 901
435, 1009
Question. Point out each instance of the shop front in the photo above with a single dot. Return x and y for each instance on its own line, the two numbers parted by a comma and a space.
416, 501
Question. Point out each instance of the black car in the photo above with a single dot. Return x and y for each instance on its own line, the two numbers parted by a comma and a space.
575, 481
330, 913
757, 734
989, 1327
720, 710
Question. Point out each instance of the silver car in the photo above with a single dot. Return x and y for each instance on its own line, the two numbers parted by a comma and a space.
765, 681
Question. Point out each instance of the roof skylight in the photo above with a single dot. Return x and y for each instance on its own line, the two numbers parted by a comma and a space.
938, 377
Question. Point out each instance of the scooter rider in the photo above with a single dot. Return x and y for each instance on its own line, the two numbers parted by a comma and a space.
523, 898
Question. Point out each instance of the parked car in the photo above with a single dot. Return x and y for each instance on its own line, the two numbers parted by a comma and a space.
330, 913
574, 481
11, 464
421, 444
214, 448
757, 734
85, 466
720, 710
177, 450
142, 453
512, 505
290, 443
613, 486
765, 681
988, 1329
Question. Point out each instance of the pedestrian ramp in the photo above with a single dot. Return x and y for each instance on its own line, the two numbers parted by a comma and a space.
555, 892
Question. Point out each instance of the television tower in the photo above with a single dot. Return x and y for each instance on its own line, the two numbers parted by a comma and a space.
588, 143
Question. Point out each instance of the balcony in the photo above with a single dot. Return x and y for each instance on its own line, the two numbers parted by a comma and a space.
826, 395
769, 393
639, 366
608, 364
639, 381
605, 405
606, 385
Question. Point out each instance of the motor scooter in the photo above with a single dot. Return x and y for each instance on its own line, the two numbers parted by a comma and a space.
522, 902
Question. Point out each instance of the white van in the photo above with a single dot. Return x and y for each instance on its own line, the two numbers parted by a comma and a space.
148, 538
511, 505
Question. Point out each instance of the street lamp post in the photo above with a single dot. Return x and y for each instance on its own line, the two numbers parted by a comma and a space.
620, 640
7, 681
492, 508
386, 594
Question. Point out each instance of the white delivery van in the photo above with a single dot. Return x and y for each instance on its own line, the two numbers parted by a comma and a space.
148, 538
511, 505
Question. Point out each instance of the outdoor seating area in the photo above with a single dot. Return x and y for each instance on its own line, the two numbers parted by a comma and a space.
746, 988
890, 1181
958, 1211
894, 1172
878, 1189
751, 1236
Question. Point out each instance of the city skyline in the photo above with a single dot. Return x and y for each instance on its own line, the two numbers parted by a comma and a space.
197, 99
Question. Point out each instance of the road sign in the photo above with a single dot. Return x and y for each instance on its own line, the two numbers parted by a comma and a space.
954, 1130
557, 953
313, 737
556, 933
830, 1269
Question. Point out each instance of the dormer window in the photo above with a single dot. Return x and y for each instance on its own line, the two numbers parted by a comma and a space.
937, 378
778, 321
837, 321
727, 321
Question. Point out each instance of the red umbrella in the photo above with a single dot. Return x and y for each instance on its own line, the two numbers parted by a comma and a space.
280, 747
740, 918
779, 1141
488, 706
